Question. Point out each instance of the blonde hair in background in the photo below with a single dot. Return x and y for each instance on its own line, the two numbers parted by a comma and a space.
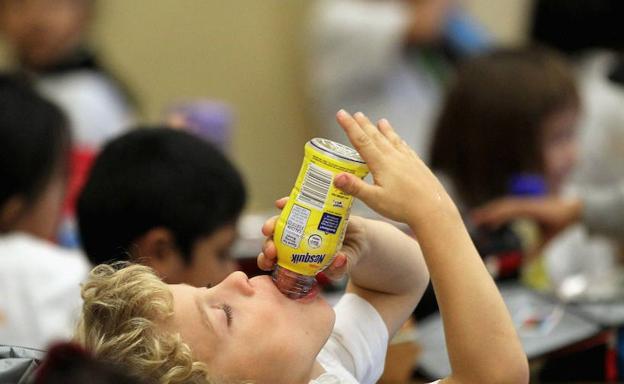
123, 317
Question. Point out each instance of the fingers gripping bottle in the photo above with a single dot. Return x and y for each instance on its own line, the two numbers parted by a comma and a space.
311, 227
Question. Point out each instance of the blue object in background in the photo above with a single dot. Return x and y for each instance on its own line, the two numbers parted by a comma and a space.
527, 185
620, 356
68, 236
465, 34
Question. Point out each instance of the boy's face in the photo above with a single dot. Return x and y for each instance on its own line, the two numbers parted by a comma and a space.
246, 329
560, 146
210, 256
43, 32
211, 259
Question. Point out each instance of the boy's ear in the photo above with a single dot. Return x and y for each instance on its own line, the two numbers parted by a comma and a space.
10, 212
157, 249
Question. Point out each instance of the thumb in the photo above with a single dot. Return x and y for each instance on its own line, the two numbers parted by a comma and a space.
354, 186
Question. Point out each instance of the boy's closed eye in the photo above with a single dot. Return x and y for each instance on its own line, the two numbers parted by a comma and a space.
228, 313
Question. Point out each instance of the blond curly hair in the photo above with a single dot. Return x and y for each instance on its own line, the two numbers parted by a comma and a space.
125, 308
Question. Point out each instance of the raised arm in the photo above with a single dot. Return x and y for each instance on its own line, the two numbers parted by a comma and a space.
391, 275
482, 343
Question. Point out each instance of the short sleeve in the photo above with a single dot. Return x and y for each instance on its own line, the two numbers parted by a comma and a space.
359, 340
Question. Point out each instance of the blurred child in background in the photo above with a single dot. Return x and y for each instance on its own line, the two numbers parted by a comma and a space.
47, 38
165, 198
589, 33
48, 41
507, 113
39, 281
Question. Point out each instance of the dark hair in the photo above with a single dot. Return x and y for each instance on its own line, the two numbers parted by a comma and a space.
573, 26
490, 127
69, 363
34, 140
156, 177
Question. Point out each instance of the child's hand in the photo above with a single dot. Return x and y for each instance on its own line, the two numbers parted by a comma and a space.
404, 188
354, 246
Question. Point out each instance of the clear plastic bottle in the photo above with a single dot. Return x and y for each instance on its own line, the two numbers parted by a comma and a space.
292, 284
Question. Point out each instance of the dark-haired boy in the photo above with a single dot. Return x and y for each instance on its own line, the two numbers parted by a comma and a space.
164, 198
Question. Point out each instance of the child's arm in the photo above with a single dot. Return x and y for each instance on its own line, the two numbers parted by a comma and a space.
482, 342
390, 273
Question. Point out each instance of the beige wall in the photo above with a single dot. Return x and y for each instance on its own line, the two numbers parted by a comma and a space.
245, 52
506, 19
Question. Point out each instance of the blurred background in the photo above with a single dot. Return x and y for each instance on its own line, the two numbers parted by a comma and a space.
247, 53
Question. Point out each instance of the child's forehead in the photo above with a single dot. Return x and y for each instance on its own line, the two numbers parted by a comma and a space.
184, 298
182, 293
181, 288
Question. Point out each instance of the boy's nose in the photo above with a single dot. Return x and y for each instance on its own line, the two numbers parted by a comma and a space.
239, 282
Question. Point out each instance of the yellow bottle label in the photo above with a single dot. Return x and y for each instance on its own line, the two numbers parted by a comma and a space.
311, 227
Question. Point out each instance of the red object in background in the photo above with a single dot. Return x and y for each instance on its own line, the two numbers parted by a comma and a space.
81, 160
611, 358
509, 263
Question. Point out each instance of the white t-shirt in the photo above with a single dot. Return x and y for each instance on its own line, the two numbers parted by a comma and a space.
39, 291
356, 350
